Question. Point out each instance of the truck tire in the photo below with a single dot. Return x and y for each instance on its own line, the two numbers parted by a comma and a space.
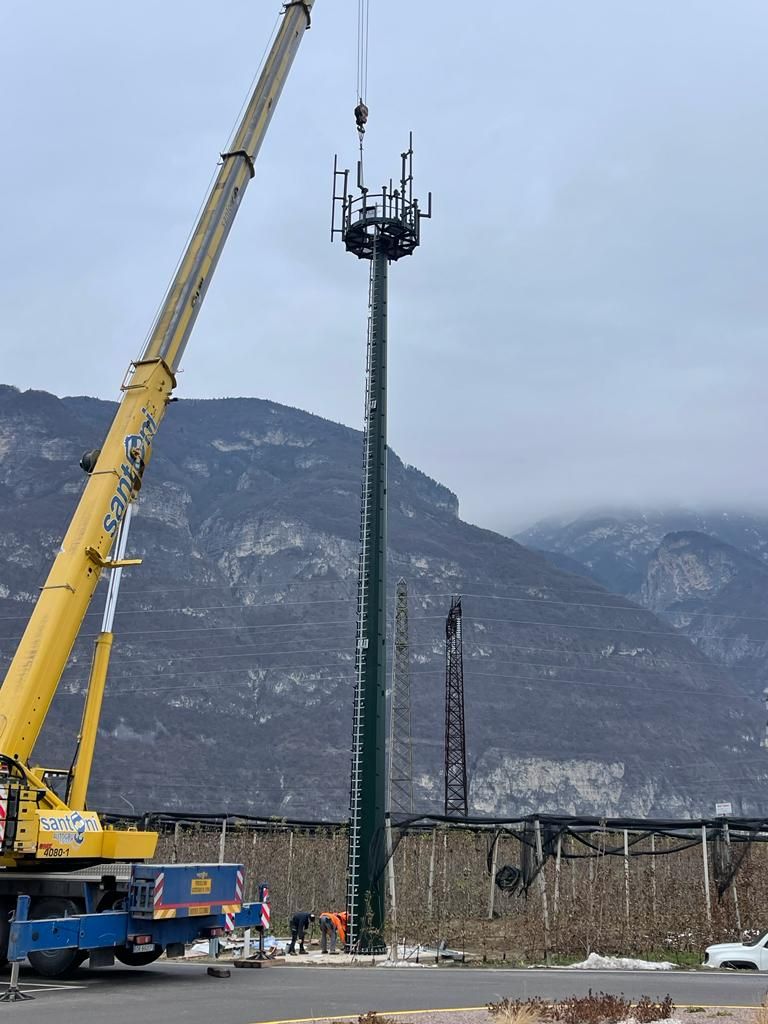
131, 959
55, 963
116, 901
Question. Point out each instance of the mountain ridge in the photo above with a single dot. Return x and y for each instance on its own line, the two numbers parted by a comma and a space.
232, 676
709, 582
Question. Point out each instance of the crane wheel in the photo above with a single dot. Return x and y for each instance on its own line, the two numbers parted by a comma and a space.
55, 963
130, 959
116, 901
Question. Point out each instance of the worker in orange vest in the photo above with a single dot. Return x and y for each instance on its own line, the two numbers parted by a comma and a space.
332, 926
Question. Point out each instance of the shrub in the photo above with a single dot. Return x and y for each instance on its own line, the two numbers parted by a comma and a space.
594, 1008
519, 1011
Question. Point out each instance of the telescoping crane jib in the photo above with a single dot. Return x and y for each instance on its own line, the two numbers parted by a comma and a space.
40, 828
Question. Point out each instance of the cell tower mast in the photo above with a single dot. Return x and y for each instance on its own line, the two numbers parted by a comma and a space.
381, 227
455, 740
400, 741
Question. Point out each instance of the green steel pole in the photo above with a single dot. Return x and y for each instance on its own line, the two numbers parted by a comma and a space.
367, 850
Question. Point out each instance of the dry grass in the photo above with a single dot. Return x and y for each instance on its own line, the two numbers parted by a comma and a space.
515, 1012
371, 1017
761, 1013
594, 1008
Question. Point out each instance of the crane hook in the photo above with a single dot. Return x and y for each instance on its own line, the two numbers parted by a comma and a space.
361, 118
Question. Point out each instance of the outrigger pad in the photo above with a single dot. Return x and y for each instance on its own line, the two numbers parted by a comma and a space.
14, 995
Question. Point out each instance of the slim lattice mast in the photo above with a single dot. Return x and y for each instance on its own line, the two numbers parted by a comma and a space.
400, 743
380, 227
455, 741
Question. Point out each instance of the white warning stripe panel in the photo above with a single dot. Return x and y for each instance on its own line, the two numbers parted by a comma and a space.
159, 884
229, 922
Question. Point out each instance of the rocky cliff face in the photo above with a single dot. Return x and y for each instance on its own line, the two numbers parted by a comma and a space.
705, 573
231, 680
718, 596
616, 547
690, 568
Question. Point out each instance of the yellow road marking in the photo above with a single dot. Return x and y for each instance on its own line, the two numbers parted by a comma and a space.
353, 1013
464, 1009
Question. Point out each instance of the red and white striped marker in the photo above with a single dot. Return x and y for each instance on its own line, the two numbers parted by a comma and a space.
266, 911
3, 812
229, 922
159, 885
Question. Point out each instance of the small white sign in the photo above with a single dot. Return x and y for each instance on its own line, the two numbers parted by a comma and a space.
723, 810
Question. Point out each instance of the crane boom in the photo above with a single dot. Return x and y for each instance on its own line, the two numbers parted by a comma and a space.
116, 477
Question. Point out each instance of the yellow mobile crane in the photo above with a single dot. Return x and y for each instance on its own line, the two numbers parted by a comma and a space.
39, 831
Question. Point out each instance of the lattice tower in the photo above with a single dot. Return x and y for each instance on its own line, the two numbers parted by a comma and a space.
455, 740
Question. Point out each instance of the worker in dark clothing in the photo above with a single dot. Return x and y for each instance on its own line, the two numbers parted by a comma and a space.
300, 922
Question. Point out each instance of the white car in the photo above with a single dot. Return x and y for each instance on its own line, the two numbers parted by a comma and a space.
749, 955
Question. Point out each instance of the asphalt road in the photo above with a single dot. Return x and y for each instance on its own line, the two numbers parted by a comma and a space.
184, 994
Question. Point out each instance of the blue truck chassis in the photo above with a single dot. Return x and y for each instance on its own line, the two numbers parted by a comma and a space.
159, 908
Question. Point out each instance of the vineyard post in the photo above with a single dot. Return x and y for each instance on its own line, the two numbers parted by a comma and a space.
556, 897
543, 888
289, 880
176, 833
653, 877
213, 943
492, 890
442, 902
314, 884
727, 834
391, 878
431, 883
591, 919
222, 840
705, 856
445, 866
626, 877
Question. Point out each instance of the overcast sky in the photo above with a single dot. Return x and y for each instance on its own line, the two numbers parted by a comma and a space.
586, 319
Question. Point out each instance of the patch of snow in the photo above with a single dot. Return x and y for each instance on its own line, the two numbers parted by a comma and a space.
595, 962
196, 949
633, 1020
230, 446
399, 963
309, 461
